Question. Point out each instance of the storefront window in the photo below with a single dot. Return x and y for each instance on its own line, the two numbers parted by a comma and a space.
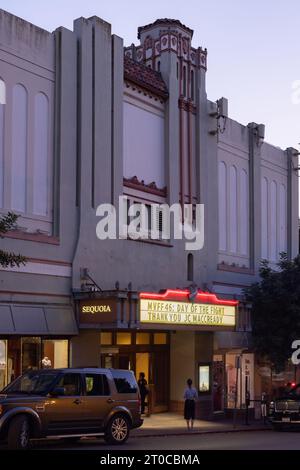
31, 353
142, 338
55, 353
124, 338
3, 363
106, 338
160, 338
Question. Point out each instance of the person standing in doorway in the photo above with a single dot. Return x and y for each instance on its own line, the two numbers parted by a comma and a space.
190, 396
263, 406
143, 386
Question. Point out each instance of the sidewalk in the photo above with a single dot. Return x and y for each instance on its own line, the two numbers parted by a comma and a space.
163, 424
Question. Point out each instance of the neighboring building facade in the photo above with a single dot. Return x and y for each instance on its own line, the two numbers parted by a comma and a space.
137, 122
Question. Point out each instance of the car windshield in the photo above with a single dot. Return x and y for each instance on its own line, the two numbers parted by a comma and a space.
33, 382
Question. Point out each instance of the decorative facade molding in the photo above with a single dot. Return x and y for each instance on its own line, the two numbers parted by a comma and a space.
34, 237
168, 41
235, 268
186, 105
135, 183
144, 91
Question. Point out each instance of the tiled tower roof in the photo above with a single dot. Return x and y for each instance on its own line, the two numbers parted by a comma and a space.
164, 22
144, 76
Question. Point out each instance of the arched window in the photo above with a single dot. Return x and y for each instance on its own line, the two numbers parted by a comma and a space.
40, 155
223, 217
273, 221
233, 215
282, 219
2, 111
264, 218
19, 147
2, 92
243, 222
190, 267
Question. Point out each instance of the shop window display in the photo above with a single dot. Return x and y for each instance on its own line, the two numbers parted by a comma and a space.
54, 354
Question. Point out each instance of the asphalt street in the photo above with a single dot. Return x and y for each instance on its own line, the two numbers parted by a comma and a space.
252, 440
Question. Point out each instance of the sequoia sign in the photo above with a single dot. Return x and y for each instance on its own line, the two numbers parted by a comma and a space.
171, 312
97, 311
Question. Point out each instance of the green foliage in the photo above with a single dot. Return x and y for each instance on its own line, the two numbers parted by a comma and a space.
9, 222
276, 310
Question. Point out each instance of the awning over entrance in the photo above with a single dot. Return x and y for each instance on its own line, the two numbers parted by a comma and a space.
37, 320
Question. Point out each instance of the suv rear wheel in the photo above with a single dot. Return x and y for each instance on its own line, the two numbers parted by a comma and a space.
18, 433
117, 431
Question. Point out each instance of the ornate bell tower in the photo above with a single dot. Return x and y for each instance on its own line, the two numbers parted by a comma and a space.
166, 46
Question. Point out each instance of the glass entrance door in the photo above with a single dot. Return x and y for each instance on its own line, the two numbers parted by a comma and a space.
160, 373
142, 361
125, 361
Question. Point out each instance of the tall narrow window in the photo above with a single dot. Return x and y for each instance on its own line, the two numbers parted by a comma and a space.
264, 218
223, 218
273, 221
160, 221
192, 85
233, 209
19, 148
243, 213
190, 267
40, 166
158, 66
184, 81
2, 92
282, 219
2, 108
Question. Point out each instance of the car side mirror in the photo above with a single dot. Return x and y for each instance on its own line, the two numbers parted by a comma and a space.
58, 392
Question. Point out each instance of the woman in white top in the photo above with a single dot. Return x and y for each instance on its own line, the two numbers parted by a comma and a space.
190, 396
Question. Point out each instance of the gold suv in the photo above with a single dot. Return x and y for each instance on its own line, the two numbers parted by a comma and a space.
69, 403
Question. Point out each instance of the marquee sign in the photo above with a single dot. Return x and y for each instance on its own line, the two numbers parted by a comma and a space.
174, 308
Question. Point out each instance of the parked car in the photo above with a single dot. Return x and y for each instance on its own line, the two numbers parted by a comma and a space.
285, 411
69, 403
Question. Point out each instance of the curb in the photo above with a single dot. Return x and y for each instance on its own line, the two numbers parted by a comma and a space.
169, 432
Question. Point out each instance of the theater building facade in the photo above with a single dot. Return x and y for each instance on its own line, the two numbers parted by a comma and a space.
107, 121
